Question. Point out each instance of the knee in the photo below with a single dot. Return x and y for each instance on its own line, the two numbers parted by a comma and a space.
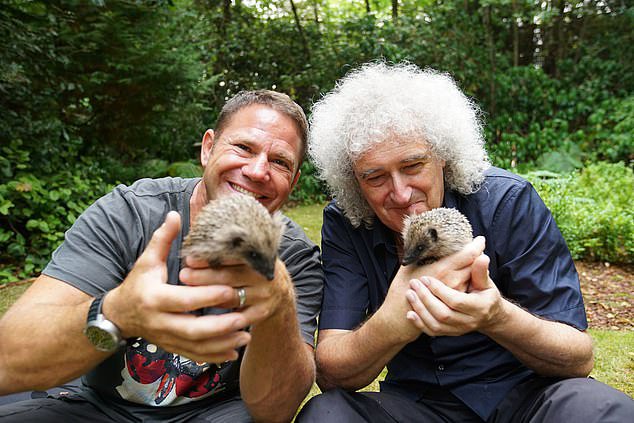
594, 401
321, 408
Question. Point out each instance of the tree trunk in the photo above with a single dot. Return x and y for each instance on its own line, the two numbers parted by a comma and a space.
491, 48
298, 24
516, 36
367, 6
394, 10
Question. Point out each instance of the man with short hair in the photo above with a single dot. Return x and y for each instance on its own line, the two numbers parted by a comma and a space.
473, 337
164, 359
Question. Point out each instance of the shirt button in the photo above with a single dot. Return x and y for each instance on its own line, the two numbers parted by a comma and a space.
441, 367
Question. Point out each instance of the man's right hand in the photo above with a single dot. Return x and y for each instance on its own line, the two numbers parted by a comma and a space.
144, 305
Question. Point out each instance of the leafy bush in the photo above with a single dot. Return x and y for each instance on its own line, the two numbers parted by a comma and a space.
592, 208
309, 188
36, 209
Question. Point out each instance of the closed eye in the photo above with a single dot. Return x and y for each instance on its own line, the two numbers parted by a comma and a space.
376, 180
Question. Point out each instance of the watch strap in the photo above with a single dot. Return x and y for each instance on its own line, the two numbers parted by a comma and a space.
95, 307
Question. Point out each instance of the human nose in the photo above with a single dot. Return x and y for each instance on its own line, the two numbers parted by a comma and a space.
258, 168
401, 190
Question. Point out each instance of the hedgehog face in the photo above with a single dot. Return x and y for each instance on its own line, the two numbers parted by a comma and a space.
257, 250
418, 250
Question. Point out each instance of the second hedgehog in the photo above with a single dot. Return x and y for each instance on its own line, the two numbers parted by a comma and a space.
235, 228
434, 234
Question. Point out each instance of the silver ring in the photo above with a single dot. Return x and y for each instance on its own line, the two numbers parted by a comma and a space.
242, 296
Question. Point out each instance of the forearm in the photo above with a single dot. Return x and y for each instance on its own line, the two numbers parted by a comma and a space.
278, 368
55, 349
353, 359
549, 348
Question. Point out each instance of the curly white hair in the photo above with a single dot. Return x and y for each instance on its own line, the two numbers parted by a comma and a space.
380, 102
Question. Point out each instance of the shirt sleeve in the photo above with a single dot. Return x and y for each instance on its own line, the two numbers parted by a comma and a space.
303, 263
346, 296
535, 268
98, 250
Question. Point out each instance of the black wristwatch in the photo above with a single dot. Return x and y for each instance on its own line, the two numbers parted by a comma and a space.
101, 332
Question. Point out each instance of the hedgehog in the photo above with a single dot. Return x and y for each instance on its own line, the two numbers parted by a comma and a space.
434, 234
235, 227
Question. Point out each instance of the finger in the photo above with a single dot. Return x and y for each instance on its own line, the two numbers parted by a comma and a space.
423, 297
480, 274
216, 349
159, 246
416, 321
418, 310
180, 299
198, 263
468, 254
442, 302
193, 328
235, 276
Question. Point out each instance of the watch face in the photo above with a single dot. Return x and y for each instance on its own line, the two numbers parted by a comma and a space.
101, 339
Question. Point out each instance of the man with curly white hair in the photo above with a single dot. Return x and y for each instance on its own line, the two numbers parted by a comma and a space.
491, 333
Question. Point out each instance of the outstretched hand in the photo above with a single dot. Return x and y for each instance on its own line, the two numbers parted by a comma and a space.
439, 310
144, 305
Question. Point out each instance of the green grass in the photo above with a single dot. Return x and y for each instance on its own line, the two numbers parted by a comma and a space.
614, 350
614, 358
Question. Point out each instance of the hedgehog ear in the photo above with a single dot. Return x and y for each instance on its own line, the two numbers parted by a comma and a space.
433, 234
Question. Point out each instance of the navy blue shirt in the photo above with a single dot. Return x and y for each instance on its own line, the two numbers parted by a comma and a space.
530, 264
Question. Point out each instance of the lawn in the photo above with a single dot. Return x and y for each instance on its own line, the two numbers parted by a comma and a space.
614, 350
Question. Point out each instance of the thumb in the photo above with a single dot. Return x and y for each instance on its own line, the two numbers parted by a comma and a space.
159, 246
480, 274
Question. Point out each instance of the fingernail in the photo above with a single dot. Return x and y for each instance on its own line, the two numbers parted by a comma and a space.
425, 280
243, 340
410, 295
238, 324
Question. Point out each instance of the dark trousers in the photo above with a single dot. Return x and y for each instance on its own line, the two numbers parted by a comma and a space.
70, 403
542, 400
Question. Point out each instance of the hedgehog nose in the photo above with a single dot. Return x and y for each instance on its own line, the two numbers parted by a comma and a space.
270, 275
409, 259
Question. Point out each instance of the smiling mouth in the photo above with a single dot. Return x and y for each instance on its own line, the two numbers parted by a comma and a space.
246, 192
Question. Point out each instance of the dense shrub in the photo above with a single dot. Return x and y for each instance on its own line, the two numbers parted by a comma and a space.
593, 209
37, 208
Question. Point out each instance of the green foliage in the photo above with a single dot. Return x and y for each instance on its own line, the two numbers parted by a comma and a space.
309, 189
112, 91
36, 209
593, 210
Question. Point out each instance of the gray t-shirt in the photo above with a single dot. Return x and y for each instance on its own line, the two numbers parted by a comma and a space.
100, 250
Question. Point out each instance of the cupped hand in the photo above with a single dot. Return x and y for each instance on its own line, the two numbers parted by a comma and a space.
144, 305
439, 310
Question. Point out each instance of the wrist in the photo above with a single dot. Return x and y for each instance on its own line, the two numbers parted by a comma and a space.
500, 320
109, 310
392, 329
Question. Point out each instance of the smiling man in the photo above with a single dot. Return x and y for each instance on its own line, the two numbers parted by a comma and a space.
153, 353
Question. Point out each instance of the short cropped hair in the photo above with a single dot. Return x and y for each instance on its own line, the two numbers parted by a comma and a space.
379, 102
273, 99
